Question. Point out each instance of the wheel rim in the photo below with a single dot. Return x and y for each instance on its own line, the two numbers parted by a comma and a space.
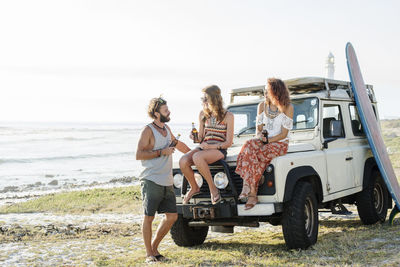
378, 197
309, 217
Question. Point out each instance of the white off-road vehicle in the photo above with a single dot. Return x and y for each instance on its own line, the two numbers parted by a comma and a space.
329, 163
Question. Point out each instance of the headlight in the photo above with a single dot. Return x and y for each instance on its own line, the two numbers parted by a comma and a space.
221, 180
178, 180
199, 179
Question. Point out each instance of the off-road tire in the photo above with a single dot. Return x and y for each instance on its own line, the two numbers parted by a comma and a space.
372, 202
300, 217
186, 236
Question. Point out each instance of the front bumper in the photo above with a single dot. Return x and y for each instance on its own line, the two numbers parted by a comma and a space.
207, 211
224, 210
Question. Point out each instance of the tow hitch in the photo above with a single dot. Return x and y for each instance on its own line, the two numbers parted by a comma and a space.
203, 212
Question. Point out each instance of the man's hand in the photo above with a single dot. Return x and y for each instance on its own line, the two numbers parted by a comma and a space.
167, 151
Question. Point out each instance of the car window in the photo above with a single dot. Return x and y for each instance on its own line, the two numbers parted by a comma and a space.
331, 112
355, 121
245, 118
305, 114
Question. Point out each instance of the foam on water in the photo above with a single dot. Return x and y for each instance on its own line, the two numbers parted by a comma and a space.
50, 156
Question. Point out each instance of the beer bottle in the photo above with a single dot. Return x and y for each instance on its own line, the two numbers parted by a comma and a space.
265, 134
195, 134
175, 141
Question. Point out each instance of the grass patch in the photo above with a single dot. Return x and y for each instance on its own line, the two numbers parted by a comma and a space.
116, 200
340, 243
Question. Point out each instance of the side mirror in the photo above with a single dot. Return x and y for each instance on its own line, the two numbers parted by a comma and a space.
336, 128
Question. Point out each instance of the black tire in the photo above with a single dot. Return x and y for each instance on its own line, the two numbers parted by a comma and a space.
372, 202
300, 218
186, 236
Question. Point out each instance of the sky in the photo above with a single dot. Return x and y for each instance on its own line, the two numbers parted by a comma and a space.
102, 61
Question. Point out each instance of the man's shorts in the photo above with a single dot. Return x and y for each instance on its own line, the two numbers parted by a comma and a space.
157, 198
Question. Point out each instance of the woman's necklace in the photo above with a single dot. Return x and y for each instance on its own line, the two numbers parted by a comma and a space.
271, 117
213, 121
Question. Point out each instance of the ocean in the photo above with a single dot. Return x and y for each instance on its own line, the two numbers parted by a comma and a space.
37, 158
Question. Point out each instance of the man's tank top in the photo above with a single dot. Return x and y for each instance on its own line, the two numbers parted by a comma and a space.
159, 170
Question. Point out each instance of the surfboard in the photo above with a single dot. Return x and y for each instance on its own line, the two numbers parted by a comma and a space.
371, 128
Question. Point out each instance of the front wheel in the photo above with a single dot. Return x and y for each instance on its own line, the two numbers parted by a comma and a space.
372, 202
186, 236
300, 218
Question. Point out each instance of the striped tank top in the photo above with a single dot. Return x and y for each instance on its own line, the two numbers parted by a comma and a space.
214, 131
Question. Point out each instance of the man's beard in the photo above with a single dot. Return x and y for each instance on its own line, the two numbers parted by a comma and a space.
164, 118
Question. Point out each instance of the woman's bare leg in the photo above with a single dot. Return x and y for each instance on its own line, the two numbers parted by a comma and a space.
202, 159
186, 163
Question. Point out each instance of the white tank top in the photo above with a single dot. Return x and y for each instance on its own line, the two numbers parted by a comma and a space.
159, 170
274, 126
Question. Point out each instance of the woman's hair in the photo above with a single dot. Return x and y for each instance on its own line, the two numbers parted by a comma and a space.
215, 103
154, 106
278, 93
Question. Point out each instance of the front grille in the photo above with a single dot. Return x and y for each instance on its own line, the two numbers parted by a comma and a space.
237, 182
236, 179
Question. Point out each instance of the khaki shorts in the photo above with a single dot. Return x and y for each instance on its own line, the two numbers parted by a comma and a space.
157, 198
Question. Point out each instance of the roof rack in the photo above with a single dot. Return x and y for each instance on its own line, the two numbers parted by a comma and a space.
304, 85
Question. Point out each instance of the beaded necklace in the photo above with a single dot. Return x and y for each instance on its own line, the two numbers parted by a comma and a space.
271, 115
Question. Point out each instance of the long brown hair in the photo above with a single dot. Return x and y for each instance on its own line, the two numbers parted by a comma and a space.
278, 93
215, 105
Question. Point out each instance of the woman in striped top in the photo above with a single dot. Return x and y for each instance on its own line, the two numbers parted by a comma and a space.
216, 135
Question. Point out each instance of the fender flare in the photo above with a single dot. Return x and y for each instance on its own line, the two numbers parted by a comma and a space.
369, 165
298, 174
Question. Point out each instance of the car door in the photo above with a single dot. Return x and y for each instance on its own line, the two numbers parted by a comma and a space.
338, 154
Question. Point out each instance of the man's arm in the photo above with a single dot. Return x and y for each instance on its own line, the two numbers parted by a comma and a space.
144, 147
182, 147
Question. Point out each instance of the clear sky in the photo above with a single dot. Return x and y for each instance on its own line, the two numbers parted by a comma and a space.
102, 61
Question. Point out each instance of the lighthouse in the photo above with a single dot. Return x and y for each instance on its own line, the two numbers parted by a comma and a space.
330, 66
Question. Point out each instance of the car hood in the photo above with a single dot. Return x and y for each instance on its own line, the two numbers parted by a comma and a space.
234, 150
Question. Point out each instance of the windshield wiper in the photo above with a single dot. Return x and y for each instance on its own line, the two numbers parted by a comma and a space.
245, 130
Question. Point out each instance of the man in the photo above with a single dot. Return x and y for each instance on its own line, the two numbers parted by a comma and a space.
156, 178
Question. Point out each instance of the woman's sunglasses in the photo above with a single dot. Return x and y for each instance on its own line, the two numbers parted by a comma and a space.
204, 99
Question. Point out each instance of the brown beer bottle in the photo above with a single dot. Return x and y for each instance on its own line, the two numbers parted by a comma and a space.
175, 141
195, 134
265, 134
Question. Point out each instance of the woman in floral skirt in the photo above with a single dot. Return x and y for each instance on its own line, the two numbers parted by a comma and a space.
275, 116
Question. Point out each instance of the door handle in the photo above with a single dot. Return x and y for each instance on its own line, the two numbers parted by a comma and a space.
349, 158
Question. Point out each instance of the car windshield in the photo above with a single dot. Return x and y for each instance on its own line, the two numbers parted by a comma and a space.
305, 115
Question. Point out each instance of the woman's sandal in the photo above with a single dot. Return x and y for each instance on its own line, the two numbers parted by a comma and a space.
216, 199
187, 198
243, 198
250, 204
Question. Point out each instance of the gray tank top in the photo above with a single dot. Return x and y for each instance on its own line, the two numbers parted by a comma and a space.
159, 170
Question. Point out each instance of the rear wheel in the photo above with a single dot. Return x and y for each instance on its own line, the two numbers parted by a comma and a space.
186, 236
300, 218
372, 202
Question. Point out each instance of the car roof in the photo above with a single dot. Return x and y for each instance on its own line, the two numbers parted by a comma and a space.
322, 88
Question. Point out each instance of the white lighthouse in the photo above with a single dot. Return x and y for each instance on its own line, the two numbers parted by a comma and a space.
330, 66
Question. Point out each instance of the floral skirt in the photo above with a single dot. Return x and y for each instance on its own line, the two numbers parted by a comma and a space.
254, 158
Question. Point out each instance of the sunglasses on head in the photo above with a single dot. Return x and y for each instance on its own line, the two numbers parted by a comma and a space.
159, 102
